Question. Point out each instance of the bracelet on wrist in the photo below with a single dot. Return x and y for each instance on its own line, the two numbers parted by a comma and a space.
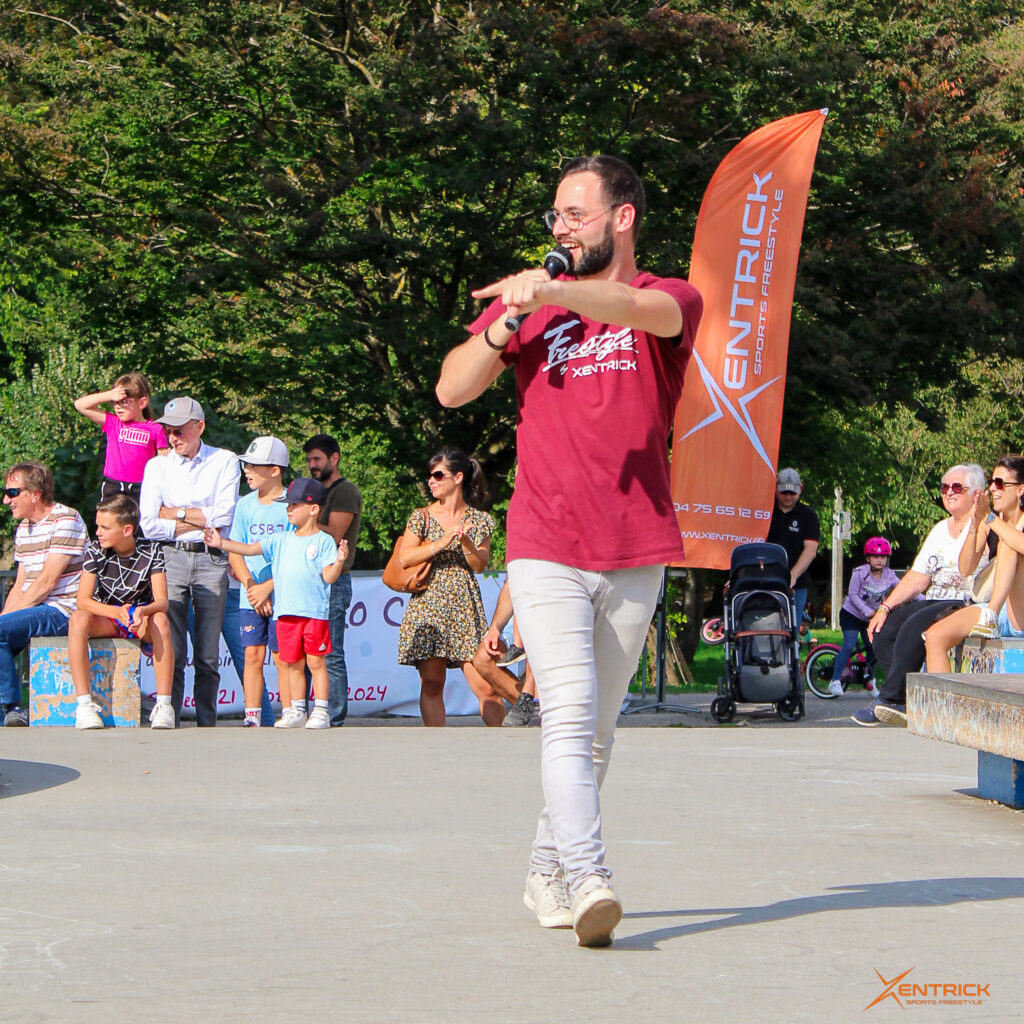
883, 607
490, 344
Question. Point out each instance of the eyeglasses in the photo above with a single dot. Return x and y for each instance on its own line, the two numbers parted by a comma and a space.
955, 488
178, 431
127, 400
998, 483
572, 219
437, 475
13, 492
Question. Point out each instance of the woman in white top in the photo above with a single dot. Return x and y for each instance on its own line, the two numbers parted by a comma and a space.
1003, 613
896, 628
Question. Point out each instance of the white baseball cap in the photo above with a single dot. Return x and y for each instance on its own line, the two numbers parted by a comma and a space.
266, 451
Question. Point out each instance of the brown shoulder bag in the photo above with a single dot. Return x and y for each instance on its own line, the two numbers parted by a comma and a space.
413, 580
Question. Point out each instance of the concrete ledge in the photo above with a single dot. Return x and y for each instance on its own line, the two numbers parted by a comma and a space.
985, 657
114, 675
984, 711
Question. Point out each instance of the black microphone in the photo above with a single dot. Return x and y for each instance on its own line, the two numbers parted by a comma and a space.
558, 261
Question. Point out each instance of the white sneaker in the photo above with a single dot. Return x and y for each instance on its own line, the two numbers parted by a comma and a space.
548, 898
988, 624
161, 717
291, 718
87, 716
596, 911
319, 719
836, 688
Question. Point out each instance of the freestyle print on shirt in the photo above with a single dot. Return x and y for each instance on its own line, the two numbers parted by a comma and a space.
602, 353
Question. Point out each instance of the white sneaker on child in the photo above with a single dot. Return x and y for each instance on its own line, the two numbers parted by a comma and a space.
87, 716
319, 719
836, 688
291, 718
161, 717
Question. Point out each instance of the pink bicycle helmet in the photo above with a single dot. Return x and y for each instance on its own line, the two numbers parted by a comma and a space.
877, 546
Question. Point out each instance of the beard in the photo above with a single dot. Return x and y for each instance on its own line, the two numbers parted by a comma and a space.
594, 259
316, 472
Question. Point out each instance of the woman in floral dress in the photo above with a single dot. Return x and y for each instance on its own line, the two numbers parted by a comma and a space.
444, 624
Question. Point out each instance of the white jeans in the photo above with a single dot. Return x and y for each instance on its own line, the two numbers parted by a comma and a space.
583, 633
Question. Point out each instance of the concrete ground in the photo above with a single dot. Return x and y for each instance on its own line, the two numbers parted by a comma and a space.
375, 874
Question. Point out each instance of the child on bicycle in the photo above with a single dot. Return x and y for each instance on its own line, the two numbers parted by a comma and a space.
869, 586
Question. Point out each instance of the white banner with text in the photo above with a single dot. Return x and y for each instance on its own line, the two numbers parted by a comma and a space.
376, 682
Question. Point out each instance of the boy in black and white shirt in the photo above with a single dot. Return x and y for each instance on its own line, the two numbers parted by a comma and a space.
122, 593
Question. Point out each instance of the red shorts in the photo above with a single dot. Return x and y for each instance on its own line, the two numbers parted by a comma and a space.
298, 636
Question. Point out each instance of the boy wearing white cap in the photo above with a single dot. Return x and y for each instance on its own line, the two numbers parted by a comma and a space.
256, 516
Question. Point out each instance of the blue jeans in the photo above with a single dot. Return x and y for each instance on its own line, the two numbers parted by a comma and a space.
337, 673
233, 638
800, 601
16, 629
852, 628
196, 580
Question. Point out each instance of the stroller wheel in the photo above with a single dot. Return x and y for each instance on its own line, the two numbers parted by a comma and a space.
791, 709
723, 709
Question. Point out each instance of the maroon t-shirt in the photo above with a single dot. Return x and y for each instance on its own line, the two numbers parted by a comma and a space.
596, 403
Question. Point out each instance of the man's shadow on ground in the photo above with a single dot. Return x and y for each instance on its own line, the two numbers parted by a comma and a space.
20, 777
924, 892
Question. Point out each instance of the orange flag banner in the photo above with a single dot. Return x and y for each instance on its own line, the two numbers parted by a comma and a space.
745, 251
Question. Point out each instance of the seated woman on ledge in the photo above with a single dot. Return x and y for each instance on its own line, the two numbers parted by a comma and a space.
1003, 615
896, 630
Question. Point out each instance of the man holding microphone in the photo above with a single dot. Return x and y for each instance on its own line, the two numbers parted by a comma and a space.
599, 366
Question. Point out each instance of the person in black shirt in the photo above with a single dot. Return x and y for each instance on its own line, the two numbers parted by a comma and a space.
122, 593
795, 527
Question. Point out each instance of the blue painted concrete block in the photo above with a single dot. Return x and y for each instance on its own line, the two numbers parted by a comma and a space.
1001, 779
114, 670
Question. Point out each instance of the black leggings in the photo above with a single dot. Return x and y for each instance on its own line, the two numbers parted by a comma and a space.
112, 487
899, 646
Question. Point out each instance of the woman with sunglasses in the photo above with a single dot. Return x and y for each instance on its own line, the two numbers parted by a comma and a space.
896, 628
444, 624
998, 533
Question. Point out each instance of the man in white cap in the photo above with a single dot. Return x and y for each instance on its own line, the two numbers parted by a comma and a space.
192, 487
795, 527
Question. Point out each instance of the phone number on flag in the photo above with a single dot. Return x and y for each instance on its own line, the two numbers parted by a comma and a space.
722, 510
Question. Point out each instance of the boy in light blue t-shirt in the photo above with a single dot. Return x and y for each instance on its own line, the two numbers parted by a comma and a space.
257, 515
303, 564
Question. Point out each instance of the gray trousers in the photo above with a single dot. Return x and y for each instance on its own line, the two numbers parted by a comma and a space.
199, 578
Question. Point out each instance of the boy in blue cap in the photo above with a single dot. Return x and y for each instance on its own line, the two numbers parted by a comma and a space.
303, 565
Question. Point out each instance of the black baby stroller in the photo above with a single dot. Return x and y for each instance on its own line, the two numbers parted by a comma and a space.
762, 659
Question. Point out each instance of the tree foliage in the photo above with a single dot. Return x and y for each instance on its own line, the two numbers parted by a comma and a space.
281, 209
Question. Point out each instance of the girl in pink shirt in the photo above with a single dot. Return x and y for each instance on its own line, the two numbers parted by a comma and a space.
132, 436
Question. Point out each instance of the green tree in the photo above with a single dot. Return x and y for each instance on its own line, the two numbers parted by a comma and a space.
282, 210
